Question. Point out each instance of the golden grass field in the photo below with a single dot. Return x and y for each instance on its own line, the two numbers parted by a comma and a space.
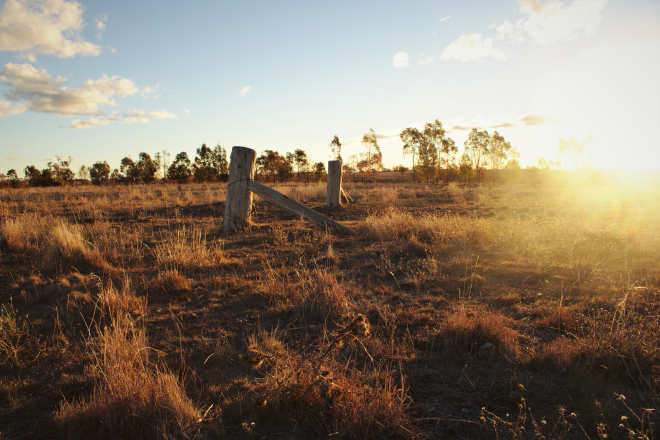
505, 311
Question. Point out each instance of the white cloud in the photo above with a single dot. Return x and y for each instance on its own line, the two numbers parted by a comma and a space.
507, 30
444, 18
50, 27
7, 110
504, 30
46, 94
79, 124
492, 26
552, 21
145, 92
142, 116
244, 91
426, 59
186, 111
472, 48
400, 60
100, 22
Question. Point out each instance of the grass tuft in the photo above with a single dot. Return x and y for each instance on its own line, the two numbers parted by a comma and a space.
133, 397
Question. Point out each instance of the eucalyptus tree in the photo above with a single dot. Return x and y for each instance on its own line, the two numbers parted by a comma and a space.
413, 141
477, 146
179, 170
219, 161
301, 162
448, 150
129, 172
99, 173
465, 166
498, 152
146, 168
373, 157
203, 168
14, 181
434, 133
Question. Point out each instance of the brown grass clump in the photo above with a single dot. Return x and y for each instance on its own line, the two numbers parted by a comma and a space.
187, 249
133, 397
265, 347
327, 300
324, 397
70, 249
26, 232
336, 400
562, 352
171, 281
465, 331
122, 300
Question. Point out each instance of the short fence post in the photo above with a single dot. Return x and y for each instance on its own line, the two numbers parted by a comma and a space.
239, 199
333, 195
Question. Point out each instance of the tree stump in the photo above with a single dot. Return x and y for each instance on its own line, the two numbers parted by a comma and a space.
333, 195
239, 198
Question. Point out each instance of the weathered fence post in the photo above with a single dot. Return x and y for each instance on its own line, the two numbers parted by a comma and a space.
333, 195
239, 197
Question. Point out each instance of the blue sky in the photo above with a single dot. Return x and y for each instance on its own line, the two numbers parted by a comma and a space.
108, 79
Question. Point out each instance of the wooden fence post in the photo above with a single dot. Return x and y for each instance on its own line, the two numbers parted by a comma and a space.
239, 198
333, 195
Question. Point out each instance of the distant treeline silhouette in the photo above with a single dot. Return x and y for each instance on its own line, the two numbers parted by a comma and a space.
434, 159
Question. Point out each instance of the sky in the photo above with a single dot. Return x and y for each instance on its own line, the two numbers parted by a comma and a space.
107, 79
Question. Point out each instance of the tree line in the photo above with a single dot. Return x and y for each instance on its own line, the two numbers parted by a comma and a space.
434, 158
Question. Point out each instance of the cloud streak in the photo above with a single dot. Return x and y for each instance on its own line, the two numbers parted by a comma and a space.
79, 124
143, 117
499, 122
472, 48
244, 91
539, 120
48, 27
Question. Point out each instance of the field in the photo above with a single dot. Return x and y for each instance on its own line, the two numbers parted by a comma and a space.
493, 311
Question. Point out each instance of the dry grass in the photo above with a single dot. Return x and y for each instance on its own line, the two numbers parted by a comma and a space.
19, 344
121, 301
133, 396
69, 249
326, 301
450, 299
188, 249
465, 331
